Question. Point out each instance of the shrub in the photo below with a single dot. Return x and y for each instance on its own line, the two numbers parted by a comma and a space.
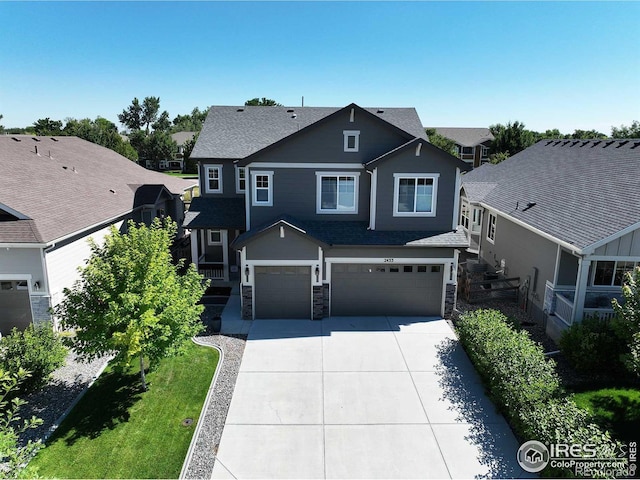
593, 346
37, 350
511, 364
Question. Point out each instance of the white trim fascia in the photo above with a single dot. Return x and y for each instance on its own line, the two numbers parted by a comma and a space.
356, 185
612, 258
568, 246
556, 271
15, 213
434, 194
247, 204
390, 260
206, 178
282, 263
621, 233
312, 166
373, 198
24, 245
104, 223
456, 199
45, 270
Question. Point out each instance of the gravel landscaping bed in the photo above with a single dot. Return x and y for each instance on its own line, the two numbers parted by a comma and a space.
57, 397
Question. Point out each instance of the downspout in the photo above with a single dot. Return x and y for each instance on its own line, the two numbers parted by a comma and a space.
373, 198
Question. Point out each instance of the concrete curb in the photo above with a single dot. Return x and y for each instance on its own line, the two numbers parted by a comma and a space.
207, 400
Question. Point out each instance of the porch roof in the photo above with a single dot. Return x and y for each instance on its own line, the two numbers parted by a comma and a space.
207, 212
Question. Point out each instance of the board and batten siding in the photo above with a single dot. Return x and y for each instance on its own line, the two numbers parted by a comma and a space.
626, 246
62, 263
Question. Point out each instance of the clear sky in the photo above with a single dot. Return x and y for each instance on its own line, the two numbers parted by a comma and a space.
548, 64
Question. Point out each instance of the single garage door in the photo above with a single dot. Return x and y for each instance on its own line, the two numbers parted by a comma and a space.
403, 290
15, 307
283, 292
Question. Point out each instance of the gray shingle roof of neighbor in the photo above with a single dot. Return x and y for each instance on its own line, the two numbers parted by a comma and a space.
237, 132
584, 191
463, 166
182, 137
207, 212
358, 233
467, 137
67, 186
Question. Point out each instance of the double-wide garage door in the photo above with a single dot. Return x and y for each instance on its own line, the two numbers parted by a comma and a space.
283, 292
388, 289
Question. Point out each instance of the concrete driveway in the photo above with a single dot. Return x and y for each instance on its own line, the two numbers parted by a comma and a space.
381, 397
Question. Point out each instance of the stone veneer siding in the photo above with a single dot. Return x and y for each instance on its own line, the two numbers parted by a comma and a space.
247, 302
449, 299
325, 300
318, 302
40, 305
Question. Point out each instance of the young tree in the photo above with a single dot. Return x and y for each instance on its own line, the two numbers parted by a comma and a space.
190, 166
13, 455
130, 299
632, 131
262, 102
627, 319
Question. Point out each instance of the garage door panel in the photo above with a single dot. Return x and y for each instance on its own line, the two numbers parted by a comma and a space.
283, 292
402, 290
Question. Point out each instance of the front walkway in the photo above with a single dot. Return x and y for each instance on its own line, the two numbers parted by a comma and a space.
361, 398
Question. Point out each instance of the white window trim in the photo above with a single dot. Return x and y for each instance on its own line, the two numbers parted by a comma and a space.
484, 152
434, 197
351, 133
214, 242
254, 189
319, 209
495, 225
238, 189
206, 178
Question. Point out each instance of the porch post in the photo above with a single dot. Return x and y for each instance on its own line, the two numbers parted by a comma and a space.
224, 238
194, 246
581, 289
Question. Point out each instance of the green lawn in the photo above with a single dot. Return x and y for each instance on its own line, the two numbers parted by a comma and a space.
617, 409
118, 431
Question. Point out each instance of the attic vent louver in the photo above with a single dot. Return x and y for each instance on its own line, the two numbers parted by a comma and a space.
609, 143
54, 139
624, 142
16, 139
240, 110
35, 139
380, 111
596, 143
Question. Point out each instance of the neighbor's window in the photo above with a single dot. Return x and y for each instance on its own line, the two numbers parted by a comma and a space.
213, 178
214, 237
337, 193
241, 180
464, 215
415, 195
611, 273
351, 140
491, 230
485, 151
262, 188
467, 150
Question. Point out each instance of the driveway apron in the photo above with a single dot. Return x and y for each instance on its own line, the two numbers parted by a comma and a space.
361, 397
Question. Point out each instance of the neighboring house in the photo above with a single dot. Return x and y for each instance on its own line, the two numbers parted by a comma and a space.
564, 216
473, 144
55, 193
322, 211
177, 162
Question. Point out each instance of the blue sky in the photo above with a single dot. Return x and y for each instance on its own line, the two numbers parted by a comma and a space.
549, 64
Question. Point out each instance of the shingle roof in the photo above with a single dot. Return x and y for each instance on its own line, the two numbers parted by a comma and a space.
467, 137
237, 132
358, 233
207, 212
181, 137
584, 190
68, 185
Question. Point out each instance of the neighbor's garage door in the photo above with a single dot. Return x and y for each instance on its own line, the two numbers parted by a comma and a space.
283, 292
15, 307
401, 290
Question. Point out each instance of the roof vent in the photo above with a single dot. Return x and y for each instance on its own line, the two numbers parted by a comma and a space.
568, 141
609, 143
65, 167
549, 143
35, 139
584, 143
636, 144
295, 115
529, 205
623, 143
36, 147
16, 139
558, 142
596, 143
240, 110
112, 191
575, 143
54, 139
380, 111
290, 110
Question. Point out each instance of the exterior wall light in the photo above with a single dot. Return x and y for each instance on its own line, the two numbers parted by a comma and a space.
246, 272
317, 274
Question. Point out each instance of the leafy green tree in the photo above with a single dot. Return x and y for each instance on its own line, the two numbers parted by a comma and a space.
498, 157
154, 147
46, 126
191, 166
632, 131
162, 124
262, 102
14, 455
627, 319
102, 132
190, 123
587, 134
441, 142
137, 116
130, 299
511, 138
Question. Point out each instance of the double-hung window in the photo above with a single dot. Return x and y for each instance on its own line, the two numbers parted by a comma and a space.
262, 183
241, 180
491, 227
415, 194
213, 178
337, 192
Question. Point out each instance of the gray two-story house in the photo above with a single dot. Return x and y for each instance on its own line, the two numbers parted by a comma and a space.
321, 211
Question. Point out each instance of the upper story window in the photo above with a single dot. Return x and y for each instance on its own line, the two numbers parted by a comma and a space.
467, 150
214, 237
262, 189
491, 227
337, 193
241, 179
213, 178
485, 151
414, 194
611, 273
351, 140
